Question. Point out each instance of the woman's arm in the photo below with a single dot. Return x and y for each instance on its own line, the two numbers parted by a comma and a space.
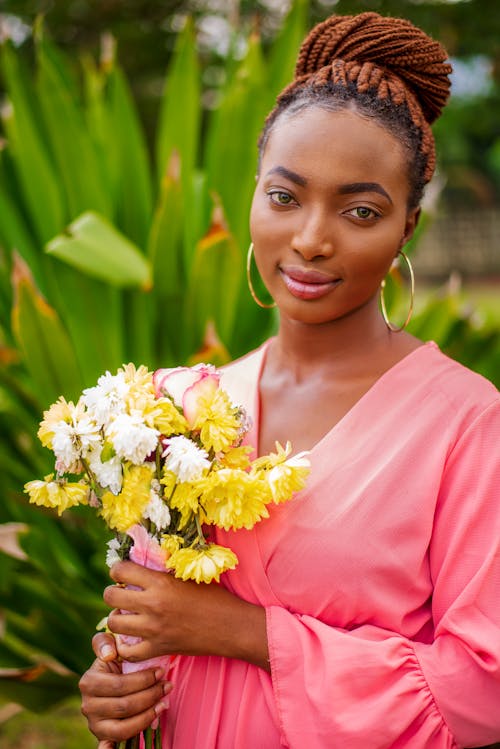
176, 617
368, 686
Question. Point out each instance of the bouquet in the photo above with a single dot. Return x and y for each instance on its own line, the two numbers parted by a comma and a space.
160, 457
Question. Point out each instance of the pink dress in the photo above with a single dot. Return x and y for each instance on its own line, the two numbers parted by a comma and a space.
381, 580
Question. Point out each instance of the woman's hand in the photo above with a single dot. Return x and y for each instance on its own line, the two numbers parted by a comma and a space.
172, 616
118, 706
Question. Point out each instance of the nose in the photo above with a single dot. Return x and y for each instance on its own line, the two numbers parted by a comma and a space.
313, 238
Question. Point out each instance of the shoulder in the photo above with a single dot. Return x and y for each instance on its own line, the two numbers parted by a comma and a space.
458, 388
456, 381
240, 378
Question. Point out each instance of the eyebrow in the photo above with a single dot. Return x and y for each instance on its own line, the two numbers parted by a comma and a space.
364, 187
288, 174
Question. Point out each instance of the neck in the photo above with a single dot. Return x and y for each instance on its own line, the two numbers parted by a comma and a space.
343, 345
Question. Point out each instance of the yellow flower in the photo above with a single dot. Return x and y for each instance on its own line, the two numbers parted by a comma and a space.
202, 565
186, 499
287, 478
218, 421
236, 457
141, 378
140, 392
169, 480
59, 495
61, 410
273, 459
170, 543
234, 499
164, 416
123, 510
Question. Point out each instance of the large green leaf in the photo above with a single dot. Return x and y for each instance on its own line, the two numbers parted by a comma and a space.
180, 115
134, 196
214, 282
283, 55
42, 191
93, 245
47, 349
231, 154
75, 152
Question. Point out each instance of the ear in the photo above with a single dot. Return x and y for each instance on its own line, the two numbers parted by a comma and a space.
412, 219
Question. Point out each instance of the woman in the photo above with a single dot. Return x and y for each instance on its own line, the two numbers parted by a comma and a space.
366, 612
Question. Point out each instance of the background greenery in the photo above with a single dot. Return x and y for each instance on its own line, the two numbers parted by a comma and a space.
124, 197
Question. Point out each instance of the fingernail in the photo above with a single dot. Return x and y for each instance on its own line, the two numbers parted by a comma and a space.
107, 652
159, 673
161, 706
167, 687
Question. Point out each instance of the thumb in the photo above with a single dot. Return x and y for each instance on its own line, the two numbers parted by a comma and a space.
104, 647
106, 745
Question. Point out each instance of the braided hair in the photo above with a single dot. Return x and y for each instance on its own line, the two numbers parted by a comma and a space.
383, 68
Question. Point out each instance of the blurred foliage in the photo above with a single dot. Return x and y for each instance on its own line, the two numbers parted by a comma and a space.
108, 256
468, 134
116, 247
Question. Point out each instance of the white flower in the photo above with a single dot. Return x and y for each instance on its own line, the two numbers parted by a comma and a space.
108, 474
185, 459
157, 510
131, 438
107, 399
72, 441
112, 555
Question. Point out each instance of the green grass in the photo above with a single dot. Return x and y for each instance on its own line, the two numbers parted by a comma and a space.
61, 728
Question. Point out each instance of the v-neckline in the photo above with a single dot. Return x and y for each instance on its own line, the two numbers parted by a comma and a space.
373, 389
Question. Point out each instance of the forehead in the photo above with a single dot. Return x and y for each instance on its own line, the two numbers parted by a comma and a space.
340, 146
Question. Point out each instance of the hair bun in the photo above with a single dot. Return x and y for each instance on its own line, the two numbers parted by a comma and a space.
393, 44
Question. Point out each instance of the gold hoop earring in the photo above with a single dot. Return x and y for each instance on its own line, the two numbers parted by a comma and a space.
390, 325
249, 281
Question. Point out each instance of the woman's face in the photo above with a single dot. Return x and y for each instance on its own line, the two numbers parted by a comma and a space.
329, 213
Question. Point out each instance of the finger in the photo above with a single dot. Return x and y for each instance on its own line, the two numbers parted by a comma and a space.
96, 683
134, 625
122, 598
120, 708
141, 651
119, 730
106, 745
129, 573
104, 646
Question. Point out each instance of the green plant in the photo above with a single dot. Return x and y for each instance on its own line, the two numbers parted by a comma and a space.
108, 256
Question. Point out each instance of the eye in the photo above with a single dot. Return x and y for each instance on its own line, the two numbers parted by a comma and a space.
363, 212
280, 197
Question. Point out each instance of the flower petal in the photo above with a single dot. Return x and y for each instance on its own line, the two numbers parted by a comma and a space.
204, 388
174, 382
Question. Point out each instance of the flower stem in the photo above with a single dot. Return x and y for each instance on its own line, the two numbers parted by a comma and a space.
158, 738
203, 541
148, 738
158, 462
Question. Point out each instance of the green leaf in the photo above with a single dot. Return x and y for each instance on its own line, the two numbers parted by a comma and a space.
134, 198
38, 180
165, 250
44, 342
14, 232
231, 155
285, 49
94, 246
74, 150
214, 283
180, 115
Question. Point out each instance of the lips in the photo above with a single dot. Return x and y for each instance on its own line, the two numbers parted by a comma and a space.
307, 284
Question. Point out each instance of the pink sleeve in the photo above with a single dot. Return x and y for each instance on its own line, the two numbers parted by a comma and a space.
370, 687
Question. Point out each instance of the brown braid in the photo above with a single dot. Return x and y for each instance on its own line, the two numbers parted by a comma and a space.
387, 67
